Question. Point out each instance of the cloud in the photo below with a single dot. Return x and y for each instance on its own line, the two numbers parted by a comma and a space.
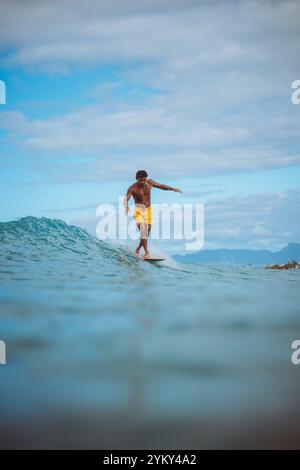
181, 32
221, 70
201, 194
257, 221
166, 142
82, 208
253, 221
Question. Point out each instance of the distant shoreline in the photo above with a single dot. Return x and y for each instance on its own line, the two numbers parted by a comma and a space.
288, 255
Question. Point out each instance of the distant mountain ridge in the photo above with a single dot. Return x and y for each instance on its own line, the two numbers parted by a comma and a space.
242, 257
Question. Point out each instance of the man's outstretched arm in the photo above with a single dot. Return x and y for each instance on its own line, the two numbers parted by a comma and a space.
126, 200
164, 187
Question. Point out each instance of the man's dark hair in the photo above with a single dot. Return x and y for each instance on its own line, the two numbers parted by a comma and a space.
141, 174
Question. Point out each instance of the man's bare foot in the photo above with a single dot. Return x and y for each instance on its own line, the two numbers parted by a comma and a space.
147, 255
136, 253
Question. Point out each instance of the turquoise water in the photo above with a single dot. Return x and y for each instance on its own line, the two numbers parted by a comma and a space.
106, 351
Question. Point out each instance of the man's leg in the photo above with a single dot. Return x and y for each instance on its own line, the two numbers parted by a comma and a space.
137, 251
145, 230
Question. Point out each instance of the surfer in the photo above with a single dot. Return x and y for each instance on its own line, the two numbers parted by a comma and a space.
141, 192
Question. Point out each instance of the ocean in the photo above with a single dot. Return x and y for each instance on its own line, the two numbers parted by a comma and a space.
107, 351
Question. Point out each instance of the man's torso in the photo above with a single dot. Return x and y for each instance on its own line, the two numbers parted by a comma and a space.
142, 193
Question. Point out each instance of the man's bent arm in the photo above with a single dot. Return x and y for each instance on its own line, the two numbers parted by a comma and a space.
164, 187
126, 200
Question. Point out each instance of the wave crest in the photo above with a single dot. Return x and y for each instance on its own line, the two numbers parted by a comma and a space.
32, 237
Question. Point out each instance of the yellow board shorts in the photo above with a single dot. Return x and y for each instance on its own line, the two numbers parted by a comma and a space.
143, 215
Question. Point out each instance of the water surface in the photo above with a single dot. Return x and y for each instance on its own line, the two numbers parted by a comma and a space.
106, 351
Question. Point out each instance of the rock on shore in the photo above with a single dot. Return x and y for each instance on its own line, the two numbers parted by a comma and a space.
289, 265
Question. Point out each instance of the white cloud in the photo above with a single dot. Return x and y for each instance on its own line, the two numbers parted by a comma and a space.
259, 229
253, 220
184, 33
222, 71
257, 221
164, 141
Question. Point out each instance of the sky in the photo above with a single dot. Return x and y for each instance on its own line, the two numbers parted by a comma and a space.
198, 93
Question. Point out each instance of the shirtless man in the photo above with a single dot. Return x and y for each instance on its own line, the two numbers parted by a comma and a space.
141, 192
